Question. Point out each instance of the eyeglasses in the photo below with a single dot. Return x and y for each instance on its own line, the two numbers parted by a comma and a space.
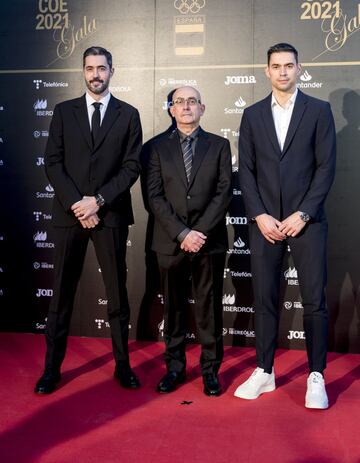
192, 101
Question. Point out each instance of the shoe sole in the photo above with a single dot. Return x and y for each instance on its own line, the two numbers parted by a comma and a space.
315, 406
263, 390
209, 394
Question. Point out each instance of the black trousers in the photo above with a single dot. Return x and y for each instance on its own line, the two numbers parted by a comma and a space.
70, 249
309, 254
207, 274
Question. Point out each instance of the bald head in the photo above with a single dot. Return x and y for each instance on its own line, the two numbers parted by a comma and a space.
187, 108
186, 88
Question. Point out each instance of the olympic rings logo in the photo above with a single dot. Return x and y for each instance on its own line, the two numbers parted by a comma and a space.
189, 6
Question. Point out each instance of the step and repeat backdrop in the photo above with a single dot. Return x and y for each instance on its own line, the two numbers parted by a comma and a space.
218, 47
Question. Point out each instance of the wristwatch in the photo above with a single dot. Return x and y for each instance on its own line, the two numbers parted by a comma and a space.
304, 216
100, 201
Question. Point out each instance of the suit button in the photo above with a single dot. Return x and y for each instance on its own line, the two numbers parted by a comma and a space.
188, 197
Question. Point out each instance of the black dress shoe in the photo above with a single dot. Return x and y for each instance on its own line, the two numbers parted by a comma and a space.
47, 383
127, 378
169, 382
212, 386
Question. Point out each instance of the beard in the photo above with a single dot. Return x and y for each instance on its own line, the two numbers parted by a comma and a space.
98, 90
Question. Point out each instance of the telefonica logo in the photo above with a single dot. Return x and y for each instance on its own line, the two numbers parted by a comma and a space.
42, 83
225, 132
228, 299
291, 272
233, 80
100, 323
296, 335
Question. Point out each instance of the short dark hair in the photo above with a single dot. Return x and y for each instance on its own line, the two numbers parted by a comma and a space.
96, 51
282, 47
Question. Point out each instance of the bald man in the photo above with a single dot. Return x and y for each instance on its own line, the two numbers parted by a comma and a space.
189, 190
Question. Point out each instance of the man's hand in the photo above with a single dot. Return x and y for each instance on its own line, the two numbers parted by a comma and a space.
85, 208
292, 225
193, 241
91, 222
270, 228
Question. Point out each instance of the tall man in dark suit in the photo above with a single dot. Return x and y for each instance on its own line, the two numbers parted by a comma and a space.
92, 160
287, 165
189, 189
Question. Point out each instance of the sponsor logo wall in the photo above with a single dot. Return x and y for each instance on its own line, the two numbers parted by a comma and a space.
213, 47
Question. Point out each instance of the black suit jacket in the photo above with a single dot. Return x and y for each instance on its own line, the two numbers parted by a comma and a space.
297, 178
76, 168
200, 204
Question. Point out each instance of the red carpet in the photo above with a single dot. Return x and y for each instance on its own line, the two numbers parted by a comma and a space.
90, 418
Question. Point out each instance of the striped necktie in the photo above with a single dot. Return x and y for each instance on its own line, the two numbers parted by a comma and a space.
187, 156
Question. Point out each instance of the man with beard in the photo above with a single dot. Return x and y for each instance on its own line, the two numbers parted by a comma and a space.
91, 160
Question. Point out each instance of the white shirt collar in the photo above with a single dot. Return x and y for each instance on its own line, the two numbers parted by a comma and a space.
290, 101
90, 100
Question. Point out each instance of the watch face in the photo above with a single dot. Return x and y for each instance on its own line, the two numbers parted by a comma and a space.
305, 217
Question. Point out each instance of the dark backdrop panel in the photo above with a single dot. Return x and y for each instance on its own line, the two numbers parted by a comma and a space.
218, 47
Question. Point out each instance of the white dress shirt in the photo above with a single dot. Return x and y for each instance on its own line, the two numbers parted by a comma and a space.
90, 108
282, 116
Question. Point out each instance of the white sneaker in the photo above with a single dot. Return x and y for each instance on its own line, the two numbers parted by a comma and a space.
316, 396
258, 383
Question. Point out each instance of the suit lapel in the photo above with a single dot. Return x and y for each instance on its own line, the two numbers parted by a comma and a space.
111, 114
202, 147
298, 111
269, 124
176, 155
81, 115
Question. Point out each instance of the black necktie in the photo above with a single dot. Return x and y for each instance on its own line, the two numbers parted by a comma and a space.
187, 156
95, 121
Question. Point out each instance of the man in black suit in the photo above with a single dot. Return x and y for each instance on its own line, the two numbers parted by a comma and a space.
287, 166
189, 189
92, 160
